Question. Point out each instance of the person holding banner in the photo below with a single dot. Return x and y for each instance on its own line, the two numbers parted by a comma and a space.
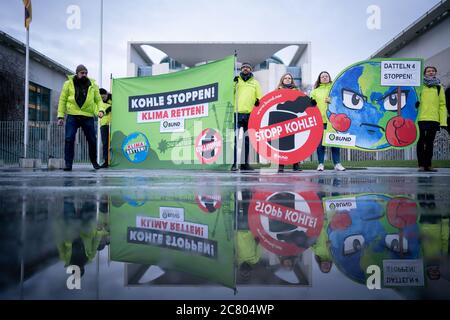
287, 82
320, 97
248, 92
432, 114
104, 125
81, 101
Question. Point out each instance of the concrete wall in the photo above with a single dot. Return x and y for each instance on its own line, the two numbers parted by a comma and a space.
305, 67
12, 72
49, 78
12, 83
442, 63
269, 78
160, 69
133, 61
434, 47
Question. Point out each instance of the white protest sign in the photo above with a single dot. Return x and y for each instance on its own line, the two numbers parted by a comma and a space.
403, 273
401, 73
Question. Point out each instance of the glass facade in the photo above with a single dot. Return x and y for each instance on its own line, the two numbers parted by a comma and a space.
173, 64
265, 64
144, 71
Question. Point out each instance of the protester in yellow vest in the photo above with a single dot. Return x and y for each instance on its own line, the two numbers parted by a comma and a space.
321, 250
320, 96
432, 115
248, 93
77, 233
434, 238
287, 82
104, 125
248, 253
81, 101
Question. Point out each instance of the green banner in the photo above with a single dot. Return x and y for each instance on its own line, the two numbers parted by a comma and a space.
181, 120
373, 105
189, 233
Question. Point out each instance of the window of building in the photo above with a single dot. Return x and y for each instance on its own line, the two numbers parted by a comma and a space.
39, 103
265, 64
144, 71
173, 64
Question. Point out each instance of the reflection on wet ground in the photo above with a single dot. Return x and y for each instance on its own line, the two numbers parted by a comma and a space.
370, 234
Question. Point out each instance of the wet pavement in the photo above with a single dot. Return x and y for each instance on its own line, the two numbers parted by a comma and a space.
380, 233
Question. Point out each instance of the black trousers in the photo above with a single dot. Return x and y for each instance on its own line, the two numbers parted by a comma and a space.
104, 130
88, 126
427, 130
242, 123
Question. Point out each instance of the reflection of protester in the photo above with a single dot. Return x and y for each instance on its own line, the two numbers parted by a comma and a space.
104, 125
81, 101
248, 253
434, 234
432, 114
287, 82
248, 95
321, 249
320, 96
286, 270
78, 235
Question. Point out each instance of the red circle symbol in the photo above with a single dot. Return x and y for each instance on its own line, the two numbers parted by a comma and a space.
402, 212
208, 146
285, 128
286, 223
208, 203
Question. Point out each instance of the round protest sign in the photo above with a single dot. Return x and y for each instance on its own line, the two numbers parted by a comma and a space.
208, 203
136, 147
286, 223
285, 128
208, 146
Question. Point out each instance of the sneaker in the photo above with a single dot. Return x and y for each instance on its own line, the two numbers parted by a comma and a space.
296, 167
246, 167
320, 167
96, 166
234, 168
67, 169
430, 169
421, 169
280, 169
104, 165
339, 167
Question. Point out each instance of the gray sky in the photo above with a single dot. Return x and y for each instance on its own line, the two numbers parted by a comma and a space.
337, 30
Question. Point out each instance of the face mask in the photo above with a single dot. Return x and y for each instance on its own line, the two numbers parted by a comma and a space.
288, 86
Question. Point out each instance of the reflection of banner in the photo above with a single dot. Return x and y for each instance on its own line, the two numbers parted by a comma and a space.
286, 223
285, 128
363, 113
375, 229
175, 235
179, 118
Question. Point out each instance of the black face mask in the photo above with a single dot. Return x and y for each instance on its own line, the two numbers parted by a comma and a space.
247, 76
288, 86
